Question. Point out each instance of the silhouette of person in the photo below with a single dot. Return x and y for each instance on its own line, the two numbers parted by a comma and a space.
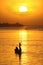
16, 50
19, 48
19, 45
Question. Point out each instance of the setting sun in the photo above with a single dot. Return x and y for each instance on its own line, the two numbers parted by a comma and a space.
23, 9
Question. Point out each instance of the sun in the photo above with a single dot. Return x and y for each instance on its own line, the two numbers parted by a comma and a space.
23, 9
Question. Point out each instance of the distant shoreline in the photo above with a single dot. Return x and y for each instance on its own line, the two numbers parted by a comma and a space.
15, 28
20, 26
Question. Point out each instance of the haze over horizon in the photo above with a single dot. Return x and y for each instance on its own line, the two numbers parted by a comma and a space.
9, 12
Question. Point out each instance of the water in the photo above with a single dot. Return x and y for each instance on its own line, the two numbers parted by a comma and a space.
32, 47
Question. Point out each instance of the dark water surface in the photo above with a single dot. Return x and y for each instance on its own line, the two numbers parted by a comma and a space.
32, 47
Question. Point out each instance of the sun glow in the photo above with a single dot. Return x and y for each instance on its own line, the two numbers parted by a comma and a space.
23, 9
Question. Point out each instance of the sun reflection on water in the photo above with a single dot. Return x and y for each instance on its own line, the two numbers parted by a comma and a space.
23, 35
23, 39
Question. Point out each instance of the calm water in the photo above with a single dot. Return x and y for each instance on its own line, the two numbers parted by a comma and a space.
32, 47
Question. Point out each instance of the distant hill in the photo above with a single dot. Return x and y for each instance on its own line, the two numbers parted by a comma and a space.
11, 25
20, 26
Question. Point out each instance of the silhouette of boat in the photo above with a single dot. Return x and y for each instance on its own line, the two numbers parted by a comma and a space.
18, 51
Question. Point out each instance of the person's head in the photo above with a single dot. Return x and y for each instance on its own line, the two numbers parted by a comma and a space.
19, 44
16, 47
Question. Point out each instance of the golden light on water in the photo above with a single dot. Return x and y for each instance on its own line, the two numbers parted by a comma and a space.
23, 9
23, 39
23, 35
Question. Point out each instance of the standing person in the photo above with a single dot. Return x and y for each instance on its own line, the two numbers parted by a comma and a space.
19, 48
19, 45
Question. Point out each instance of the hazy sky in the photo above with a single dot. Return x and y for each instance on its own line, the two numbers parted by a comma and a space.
9, 11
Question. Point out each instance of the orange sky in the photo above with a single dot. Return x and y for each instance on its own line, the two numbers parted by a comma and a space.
9, 11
